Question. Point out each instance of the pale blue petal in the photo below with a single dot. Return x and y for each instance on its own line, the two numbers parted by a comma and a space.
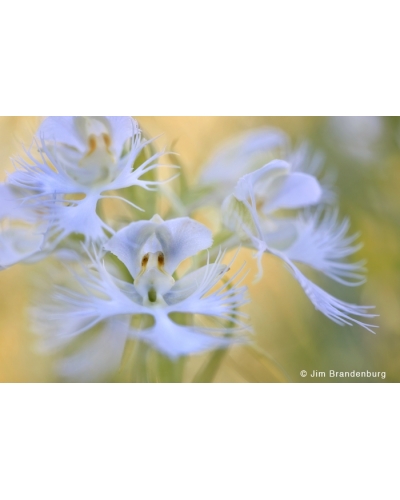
175, 340
100, 357
19, 244
191, 282
279, 233
127, 244
78, 216
10, 204
323, 243
178, 239
274, 187
263, 177
62, 129
90, 296
181, 238
223, 303
65, 130
336, 310
295, 190
122, 129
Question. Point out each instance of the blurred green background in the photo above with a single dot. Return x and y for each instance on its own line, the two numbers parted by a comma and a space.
365, 154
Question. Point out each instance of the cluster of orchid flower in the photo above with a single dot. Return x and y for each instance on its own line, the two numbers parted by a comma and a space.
126, 282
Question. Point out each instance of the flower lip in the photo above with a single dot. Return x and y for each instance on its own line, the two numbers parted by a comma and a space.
74, 311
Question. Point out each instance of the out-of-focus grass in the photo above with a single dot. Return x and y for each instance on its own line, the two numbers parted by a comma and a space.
286, 325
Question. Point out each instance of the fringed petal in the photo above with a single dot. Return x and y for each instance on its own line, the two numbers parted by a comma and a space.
177, 340
323, 244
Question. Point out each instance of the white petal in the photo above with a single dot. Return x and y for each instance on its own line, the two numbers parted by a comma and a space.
122, 129
39, 178
336, 310
177, 239
275, 187
18, 244
94, 296
88, 296
191, 282
238, 217
101, 356
47, 189
291, 191
263, 177
129, 290
181, 238
8, 201
62, 129
13, 205
224, 303
127, 244
279, 233
175, 340
78, 216
66, 130
322, 243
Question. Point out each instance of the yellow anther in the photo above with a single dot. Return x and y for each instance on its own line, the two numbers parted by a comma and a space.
145, 260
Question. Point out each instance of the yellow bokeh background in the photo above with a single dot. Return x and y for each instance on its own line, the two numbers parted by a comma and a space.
287, 328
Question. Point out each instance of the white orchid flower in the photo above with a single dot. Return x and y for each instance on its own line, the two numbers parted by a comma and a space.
151, 250
317, 240
269, 190
237, 156
82, 159
249, 151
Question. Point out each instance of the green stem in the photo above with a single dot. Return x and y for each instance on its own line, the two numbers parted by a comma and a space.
168, 370
139, 363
